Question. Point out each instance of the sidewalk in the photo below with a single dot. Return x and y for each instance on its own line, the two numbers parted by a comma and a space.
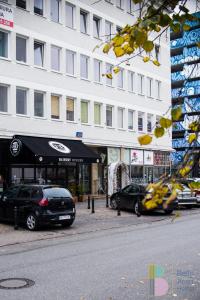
85, 222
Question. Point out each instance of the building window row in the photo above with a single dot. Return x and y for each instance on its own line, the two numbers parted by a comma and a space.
103, 114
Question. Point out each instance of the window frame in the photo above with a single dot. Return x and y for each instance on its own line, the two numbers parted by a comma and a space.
59, 11
120, 110
109, 106
86, 67
120, 79
85, 16
7, 98
97, 23
150, 87
26, 52
7, 45
74, 62
67, 4
26, 91
82, 122
109, 82
43, 53
59, 58
141, 84
100, 113
149, 121
43, 102
34, 8
59, 104
21, 6
141, 116
74, 104
99, 62
132, 119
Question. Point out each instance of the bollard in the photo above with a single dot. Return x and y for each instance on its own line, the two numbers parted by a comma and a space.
16, 217
107, 205
139, 209
118, 207
88, 202
93, 205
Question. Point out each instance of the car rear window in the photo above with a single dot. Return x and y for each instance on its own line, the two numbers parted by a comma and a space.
56, 192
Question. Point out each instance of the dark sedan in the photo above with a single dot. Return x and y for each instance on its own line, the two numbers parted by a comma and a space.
37, 205
131, 196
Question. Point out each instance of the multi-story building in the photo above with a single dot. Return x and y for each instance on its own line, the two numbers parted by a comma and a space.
51, 86
185, 66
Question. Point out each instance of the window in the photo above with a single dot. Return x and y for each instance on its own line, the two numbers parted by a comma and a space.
96, 27
109, 111
21, 49
158, 83
130, 119
120, 81
158, 120
55, 107
55, 58
70, 109
38, 104
120, 117
140, 121
149, 87
131, 81
69, 13
3, 98
149, 123
108, 70
97, 114
84, 66
38, 7
38, 54
55, 10
84, 112
83, 21
70, 62
21, 101
130, 6
120, 3
21, 3
157, 52
140, 84
3, 44
97, 70
118, 29
108, 30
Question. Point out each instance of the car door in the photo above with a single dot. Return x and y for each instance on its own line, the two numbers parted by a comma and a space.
133, 195
124, 196
24, 200
7, 203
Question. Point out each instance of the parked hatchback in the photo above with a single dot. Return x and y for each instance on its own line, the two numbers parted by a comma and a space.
38, 205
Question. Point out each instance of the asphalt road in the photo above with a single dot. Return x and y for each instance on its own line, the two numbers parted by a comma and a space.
109, 264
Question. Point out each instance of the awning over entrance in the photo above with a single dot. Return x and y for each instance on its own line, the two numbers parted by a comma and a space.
50, 150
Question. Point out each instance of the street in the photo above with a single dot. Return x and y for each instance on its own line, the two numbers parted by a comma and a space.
108, 263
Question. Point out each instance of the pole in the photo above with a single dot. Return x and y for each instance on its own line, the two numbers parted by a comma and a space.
88, 202
16, 217
118, 206
107, 205
93, 211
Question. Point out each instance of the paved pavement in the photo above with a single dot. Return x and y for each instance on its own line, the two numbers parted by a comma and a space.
103, 219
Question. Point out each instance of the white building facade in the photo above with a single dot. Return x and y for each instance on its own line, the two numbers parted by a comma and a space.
51, 86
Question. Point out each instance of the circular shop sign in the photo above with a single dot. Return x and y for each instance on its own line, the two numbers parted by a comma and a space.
15, 147
59, 147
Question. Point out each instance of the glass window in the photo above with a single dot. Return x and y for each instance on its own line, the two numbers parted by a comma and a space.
140, 121
21, 3
70, 109
56, 192
108, 30
84, 66
109, 110
130, 119
38, 54
149, 122
118, 29
158, 83
83, 21
16, 175
3, 44
55, 58
120, 117
120, 3
131, 81
55, 107
96, 27
69, 12
3, 98
157, 52
84, 112
120, 78
21, 49
28, 175
38, 104
130, 6
55, 10
97, 114
70, 62
21, 101
108, 70
140, 84
38, 7
25, 192
97, 70
149, 87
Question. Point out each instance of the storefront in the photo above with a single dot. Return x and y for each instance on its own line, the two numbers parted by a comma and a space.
26, 159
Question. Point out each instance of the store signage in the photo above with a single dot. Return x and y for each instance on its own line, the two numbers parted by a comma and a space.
148, 157
137, 157
59, 147
15, 147
6, 15
79, 134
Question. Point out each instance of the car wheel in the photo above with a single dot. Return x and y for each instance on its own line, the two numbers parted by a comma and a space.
66, 224
136, 208
32, 222
168, 211
113, 203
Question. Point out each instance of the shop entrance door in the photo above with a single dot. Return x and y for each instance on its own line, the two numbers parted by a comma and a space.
148, 174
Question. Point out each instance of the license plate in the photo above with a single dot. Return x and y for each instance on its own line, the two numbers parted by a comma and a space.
65, 217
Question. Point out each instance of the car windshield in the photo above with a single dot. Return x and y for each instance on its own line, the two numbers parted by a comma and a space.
56, 192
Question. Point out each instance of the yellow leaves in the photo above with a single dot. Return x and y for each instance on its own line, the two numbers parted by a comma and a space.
194, 185
192, 137
176, 113
118, 40
150, 204
109, 75
126, 37
186, 27
119, 51
195, 126
146, 59
159, 132
145, 139
148, 46
106, 48
156, 63
184, 171
157, 28
165, 123
116, 70
129, 50
172, 197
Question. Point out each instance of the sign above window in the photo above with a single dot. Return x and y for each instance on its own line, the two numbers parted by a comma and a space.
6, 15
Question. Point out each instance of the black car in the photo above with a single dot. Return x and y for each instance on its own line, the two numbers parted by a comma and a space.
38, 205
131, 196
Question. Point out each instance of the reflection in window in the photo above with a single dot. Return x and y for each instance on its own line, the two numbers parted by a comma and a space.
83, 21
84, 112
70, 109
70, 62
55, 107
38, 7
3, 44
109, 110
21, 49
38, 104
38, 54
69, 12
84, 66
3, 98
21, 101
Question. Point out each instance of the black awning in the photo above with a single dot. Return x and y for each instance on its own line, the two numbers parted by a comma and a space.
50, 150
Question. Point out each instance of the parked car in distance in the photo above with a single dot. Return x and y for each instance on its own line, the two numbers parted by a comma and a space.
188, 181
187, 198
131, 197
38, 205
